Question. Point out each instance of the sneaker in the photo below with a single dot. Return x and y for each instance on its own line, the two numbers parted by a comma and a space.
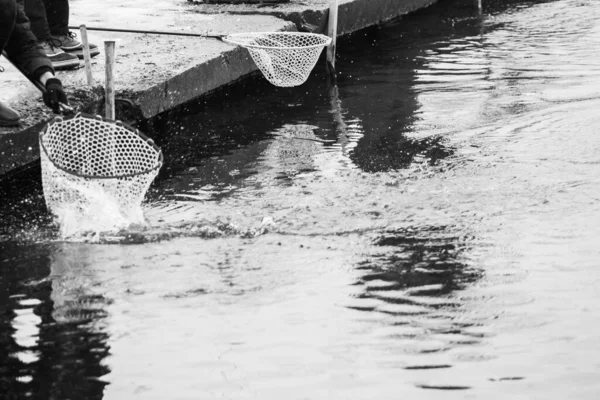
8, 116
71, 45
59, 59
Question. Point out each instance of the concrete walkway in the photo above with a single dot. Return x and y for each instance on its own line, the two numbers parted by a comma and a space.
160, 72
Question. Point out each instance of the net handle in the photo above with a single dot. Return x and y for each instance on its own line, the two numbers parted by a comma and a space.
173, 33
119, 123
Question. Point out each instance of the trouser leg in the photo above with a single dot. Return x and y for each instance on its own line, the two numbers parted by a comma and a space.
58, 16
8, 16
36, 12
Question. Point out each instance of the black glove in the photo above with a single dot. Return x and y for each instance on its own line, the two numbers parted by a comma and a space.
55, 95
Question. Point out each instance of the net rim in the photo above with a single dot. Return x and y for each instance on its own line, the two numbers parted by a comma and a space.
326, 40
100, 118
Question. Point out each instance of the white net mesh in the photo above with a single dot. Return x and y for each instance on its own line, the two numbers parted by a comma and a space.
284, 58
92, 166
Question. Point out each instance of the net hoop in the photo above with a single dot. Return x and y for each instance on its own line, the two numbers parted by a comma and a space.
245, 40
285, 58
150, 142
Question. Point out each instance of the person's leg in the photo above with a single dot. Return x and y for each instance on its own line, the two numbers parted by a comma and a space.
58, 16
8, 16
58, 20
36, 12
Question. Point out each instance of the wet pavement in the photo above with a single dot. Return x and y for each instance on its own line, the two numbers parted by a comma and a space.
424, 227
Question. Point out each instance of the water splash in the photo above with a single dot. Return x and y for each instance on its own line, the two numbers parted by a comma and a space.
96, 212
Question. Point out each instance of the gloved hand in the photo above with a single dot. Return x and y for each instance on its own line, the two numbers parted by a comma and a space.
54, 95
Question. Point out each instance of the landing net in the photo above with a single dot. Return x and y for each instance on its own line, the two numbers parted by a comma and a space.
91, 165
285, 58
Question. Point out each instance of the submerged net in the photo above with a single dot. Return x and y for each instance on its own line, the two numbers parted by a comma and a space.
284, 58
96, 171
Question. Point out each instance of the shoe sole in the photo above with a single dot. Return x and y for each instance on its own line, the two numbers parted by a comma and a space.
68, 64
79, 53
71, 48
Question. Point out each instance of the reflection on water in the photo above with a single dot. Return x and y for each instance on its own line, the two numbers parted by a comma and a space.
411, 278
52, 341
423, 227
423, 262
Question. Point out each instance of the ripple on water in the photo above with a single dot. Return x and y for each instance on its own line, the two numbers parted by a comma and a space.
427, 367
442, 387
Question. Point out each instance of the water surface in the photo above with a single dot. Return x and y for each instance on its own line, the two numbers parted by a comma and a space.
426, 226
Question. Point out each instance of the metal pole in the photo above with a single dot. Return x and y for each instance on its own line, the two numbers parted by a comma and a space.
87, 59
332, 32
109, 51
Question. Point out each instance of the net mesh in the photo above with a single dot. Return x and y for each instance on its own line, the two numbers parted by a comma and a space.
88, 162
285, 58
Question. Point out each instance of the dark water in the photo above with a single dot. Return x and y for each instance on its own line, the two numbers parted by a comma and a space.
424, 227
